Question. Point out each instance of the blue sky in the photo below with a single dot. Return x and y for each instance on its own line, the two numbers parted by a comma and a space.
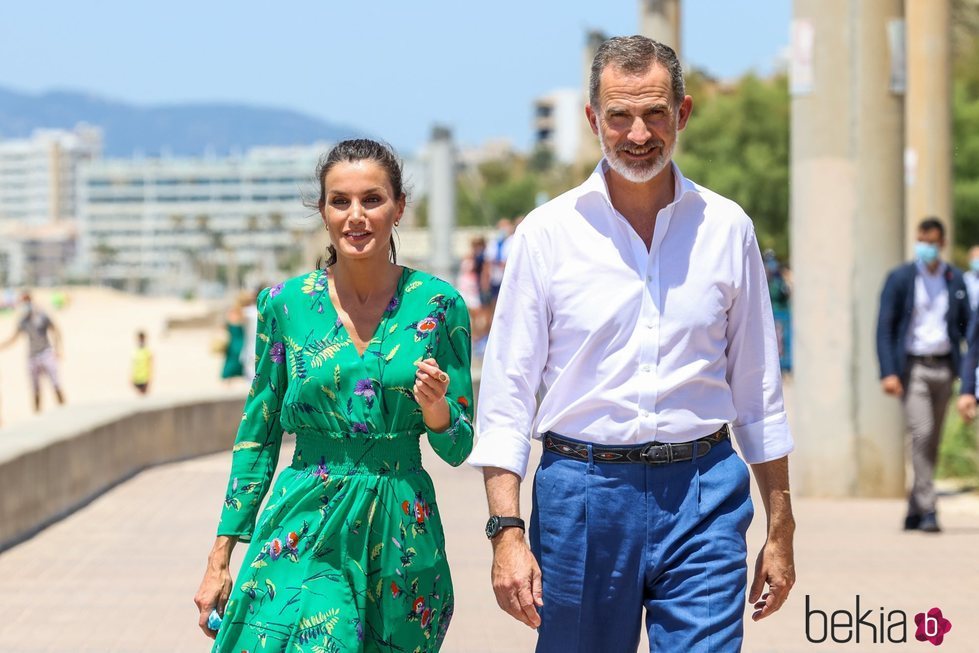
391, 68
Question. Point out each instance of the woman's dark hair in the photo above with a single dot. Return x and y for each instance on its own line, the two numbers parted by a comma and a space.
350, 151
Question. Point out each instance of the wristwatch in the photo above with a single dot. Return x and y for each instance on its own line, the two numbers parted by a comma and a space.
497, 523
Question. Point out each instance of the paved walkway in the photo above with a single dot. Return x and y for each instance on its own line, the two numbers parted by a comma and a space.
120, 574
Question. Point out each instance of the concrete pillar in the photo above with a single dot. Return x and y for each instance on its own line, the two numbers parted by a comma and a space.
441, 201
660, 21
589, 150
928, 117
54, 184
846, 231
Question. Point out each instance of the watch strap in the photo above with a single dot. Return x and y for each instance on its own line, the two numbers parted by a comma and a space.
497, 523
512, 522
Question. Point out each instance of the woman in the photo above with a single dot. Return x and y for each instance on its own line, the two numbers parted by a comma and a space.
471, 281
235, 327
358, 360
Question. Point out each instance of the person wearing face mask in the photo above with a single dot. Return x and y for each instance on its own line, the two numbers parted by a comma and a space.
42, 357
967, 400
924, 314
359, 358
971, 277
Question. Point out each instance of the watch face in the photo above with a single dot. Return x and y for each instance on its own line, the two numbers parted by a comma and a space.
492, 527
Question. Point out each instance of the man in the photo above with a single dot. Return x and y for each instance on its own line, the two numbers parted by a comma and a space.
637, 304
924, 312
967, 406
971, 277
42, 357
498, 252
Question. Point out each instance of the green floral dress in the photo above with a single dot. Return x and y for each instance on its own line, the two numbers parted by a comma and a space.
349, 553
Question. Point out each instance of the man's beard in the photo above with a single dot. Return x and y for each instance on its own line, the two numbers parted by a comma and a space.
638, 172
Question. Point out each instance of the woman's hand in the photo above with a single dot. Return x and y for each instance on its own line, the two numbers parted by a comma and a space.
216, 586
430, 386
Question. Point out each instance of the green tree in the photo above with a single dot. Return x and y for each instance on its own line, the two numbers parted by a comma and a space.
737, 144
512, 198
965, 144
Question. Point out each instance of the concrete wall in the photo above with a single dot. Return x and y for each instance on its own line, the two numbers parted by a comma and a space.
58, 462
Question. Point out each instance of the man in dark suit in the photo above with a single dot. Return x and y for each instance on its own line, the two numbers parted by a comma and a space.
968, 371
924, 314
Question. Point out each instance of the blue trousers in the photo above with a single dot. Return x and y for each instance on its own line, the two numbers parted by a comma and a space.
612, 539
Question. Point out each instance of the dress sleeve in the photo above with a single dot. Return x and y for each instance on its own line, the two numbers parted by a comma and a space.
454, 356
256, 450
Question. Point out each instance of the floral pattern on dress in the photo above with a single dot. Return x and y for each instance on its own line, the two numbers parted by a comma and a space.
348, 555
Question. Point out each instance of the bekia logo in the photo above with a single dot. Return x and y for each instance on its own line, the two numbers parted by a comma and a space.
873, 626
931, 626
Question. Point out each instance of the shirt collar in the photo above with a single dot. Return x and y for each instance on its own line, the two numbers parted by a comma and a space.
597, 183
923, 269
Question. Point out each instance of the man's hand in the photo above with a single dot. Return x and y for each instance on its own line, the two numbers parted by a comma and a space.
517, 577
967, 407
892, 385
516, 574
775, 567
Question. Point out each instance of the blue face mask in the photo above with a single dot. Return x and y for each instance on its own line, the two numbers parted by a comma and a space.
974, 265
926, 252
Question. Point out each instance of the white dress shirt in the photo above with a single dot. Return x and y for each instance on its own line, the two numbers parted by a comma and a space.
628, 346
971, 278
928, 334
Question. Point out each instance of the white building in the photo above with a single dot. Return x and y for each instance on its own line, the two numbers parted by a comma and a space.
558, 118
164, 225
38, 175
36, 255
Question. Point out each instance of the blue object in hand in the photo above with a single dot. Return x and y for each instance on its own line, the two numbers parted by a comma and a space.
214, 620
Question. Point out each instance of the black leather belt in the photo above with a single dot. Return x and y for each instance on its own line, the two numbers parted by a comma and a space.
931, 359
654, 453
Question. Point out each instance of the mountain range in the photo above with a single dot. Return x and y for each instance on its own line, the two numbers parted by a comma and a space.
177, 129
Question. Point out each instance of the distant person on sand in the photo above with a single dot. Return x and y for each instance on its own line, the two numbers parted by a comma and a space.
142, 364
42, 357
235, 325
249, 314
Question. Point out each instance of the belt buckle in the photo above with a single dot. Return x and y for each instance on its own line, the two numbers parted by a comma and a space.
646, 458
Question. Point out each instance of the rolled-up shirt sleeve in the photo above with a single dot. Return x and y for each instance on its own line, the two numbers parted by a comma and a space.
513, 363
753, 373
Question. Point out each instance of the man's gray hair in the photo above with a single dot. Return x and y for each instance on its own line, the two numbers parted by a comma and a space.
635, 54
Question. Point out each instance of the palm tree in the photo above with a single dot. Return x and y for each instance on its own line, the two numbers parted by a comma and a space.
105, 255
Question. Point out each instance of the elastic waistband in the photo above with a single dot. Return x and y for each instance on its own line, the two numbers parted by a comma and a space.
358, 454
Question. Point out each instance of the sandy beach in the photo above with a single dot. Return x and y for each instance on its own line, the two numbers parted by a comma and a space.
98, 328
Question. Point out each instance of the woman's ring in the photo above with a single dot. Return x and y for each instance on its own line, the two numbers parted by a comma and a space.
443, 377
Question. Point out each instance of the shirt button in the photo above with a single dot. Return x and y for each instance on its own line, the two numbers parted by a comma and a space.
644, 413
650, 325
649, 278
645, 368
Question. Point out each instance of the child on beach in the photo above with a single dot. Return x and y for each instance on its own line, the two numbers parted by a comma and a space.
142, 364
